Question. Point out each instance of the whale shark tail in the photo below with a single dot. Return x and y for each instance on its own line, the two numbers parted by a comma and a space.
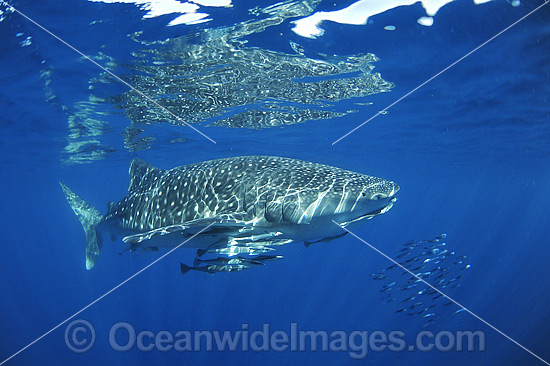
89, 217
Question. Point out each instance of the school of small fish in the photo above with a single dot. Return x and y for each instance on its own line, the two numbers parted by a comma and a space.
431, 261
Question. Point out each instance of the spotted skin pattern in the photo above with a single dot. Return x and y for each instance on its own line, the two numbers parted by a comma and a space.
235, 206
264, 189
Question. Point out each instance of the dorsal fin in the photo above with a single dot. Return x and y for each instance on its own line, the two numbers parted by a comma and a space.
140, 170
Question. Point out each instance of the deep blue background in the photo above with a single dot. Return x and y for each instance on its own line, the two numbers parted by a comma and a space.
470, 151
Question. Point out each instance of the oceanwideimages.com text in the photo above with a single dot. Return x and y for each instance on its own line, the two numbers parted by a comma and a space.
80, 337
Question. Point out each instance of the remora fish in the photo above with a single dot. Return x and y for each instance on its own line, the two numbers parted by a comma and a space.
251, 201
215, 268
254, 261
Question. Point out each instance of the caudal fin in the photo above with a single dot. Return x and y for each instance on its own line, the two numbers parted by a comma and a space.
184, 269
89, 218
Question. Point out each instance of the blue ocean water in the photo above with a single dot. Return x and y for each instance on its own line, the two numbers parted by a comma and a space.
470, 151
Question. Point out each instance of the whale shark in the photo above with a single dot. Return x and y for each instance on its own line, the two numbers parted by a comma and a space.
231, 207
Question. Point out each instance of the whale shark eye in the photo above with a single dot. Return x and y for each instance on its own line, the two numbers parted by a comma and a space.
377, 197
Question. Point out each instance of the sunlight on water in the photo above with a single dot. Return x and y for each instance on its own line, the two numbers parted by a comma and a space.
359, 13
214, 77
188, 10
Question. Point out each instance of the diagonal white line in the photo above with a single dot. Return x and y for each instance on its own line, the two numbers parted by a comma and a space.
445, 295
439, 73
112, 74
102, 296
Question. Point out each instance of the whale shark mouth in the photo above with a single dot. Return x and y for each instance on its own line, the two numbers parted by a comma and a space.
370, 215
380, 210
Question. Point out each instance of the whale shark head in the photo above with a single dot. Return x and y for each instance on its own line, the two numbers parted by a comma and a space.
358, 199
373, 200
